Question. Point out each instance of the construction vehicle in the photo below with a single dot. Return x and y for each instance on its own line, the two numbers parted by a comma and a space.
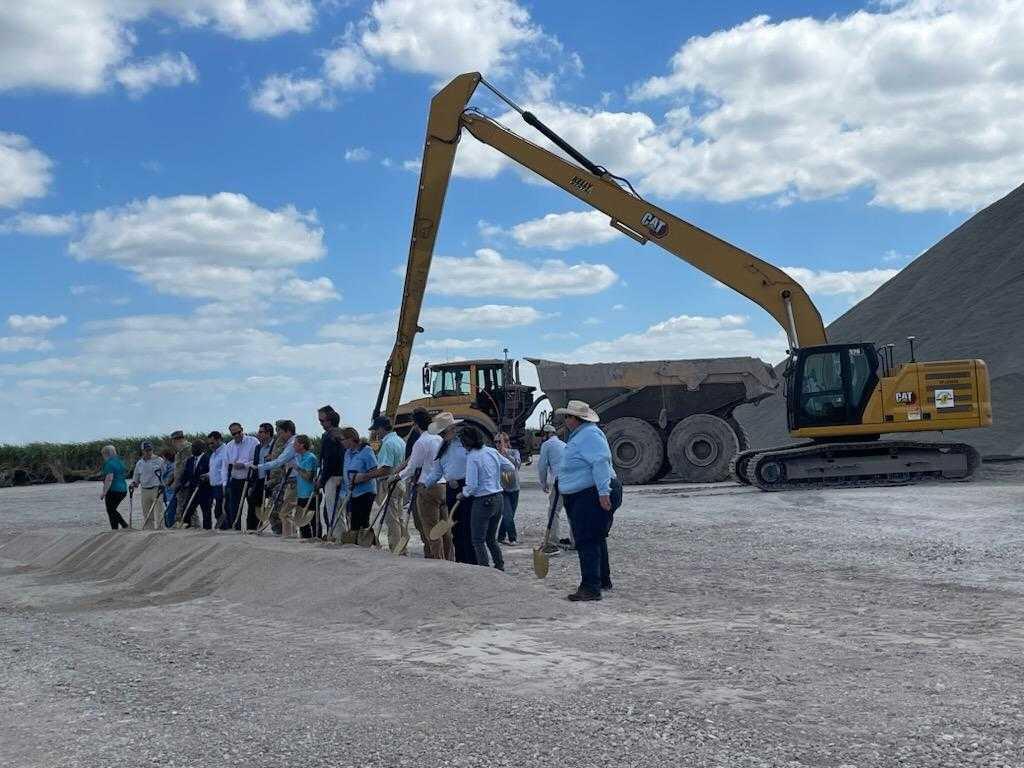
664, 416
842, 397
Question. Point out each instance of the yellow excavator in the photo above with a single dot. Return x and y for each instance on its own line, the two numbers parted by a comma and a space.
842, 397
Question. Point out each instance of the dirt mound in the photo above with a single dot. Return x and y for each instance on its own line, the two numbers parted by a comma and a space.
962, 298
347, 584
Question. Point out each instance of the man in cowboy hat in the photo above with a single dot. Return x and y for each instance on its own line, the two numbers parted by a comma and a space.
585, 478
551, 451
451, 465
429, 501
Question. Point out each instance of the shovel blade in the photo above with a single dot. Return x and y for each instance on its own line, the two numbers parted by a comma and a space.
541, 562
366, 538
441, 527
401, 544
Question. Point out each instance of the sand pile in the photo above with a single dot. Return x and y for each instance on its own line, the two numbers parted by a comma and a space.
347, 584
963, 297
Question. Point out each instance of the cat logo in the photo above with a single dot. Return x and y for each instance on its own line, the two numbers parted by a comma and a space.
905, 398
654, 225
944, 398
581, 185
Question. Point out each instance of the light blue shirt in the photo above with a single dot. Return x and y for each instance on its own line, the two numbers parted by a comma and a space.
483, 472
587, 461
451, 466
360, 460
551, 452
264, 451
392, 451
283, 458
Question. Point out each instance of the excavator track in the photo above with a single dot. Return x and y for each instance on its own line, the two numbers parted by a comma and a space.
852, 465
738, 465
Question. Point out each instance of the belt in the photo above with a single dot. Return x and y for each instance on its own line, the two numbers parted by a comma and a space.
150, 487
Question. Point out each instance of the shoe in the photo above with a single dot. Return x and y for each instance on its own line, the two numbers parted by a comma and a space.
503, 541
582, 595
565, 542
607, 585
551, 550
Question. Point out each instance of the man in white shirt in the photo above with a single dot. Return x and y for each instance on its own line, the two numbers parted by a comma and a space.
429, 501
149, 474
218, 474
239, 453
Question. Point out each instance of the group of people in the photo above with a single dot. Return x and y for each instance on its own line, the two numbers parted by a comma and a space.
460, 493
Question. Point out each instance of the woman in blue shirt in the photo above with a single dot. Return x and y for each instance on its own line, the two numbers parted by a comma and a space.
484, 466
305, 470
586, 479
359, 459
509, 489
114, 486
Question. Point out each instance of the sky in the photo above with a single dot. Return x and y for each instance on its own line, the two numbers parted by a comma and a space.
205, 205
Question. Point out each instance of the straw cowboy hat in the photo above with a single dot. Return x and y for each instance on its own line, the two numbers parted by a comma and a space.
441, 422
580, 410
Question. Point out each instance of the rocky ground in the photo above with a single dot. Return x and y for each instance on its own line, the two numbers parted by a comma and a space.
868, 627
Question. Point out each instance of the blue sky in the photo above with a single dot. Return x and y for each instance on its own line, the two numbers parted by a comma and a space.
205, 205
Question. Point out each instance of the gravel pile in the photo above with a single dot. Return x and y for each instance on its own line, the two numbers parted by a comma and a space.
962, 298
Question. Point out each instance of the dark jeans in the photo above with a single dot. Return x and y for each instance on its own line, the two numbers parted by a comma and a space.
232, 502
112, 499
590, 526
202, 500
170, 507
486, 517
217, 503
361, 507
462, 533
256, 492
507, 529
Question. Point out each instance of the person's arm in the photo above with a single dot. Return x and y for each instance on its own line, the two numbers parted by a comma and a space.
107, 480
506, 464
137, 474
285, 456
600, 461
472, 475
433, 474
542, 465
307, 474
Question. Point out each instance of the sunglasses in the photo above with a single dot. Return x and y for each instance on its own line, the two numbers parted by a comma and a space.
236, 434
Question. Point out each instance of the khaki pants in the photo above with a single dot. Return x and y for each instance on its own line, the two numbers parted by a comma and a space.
393, 514
330, 496
430, 505
152, 519
287, 509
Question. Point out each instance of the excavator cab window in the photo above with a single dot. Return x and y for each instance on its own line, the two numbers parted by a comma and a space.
833, 384
450, 382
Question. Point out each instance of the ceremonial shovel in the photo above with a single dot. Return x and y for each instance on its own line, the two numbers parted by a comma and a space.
445, 524
541, 559
131, 496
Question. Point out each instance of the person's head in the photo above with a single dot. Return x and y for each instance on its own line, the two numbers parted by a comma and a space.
236, 431
350, 438
265, 432
421, 418
576, 413
285, 427
502, 441
216, 439
108, 452
167, 454
444, 424
328, 417
302, 444
198, 448
548, 431
147, 450
472, 440
178, 439
381, 426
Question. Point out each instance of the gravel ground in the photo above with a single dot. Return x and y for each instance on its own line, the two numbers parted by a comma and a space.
867, 627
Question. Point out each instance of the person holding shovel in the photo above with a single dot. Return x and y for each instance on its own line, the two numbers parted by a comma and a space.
429, 501
357, 485
585, 479
391, 488
282, 456
148, 474
451, 465
305, 481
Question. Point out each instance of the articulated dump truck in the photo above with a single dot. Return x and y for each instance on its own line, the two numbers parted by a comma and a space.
665, 416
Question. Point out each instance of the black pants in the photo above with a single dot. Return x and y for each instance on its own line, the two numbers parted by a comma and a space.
232, 504
305, 531
112, 499
462, 534
590, 527
203, 499
257, 490
486, 517
361, 507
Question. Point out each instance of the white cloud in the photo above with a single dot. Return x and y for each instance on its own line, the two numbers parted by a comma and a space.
923, 101
488, 273
445, 37
686, 336
24, 344
560, 336
281, 95
42, 224
856, 284
455, 344
349, 68
80, 51
562, 231
82, 290
485, 317
35, 323
25, 172
166, 70
357, 155
223, 247
368, 328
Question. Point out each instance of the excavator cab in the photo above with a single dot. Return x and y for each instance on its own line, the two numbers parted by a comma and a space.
830, 385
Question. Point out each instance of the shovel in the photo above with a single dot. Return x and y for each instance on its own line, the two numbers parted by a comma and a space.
131, 496
243, 501
403, 540
541, 559
368, 537
445, 524
188, 506
148, 517
304, 517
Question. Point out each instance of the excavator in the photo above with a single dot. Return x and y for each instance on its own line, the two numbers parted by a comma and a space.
841, 398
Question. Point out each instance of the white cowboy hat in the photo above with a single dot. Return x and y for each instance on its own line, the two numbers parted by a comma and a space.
441, 422
580, 410
549, 429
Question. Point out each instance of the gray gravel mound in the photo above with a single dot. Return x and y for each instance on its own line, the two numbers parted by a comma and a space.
962, 298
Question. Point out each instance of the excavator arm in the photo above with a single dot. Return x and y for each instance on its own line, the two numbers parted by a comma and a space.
768, 286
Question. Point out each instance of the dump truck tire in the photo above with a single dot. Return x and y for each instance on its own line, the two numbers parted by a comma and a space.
637, 450
701, 447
